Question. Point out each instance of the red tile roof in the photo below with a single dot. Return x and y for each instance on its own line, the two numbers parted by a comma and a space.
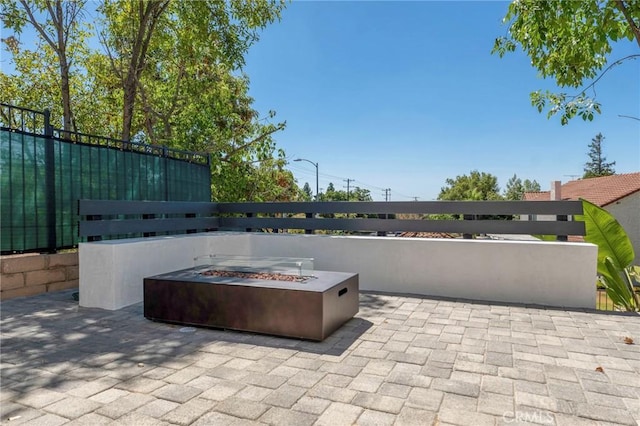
601, 191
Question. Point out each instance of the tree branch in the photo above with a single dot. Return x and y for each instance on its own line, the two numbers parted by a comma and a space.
227, 156
37, 25
634, 27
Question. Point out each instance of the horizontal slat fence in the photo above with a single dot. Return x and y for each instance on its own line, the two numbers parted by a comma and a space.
476, 217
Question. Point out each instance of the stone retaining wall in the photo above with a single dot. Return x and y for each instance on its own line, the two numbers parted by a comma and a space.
31, 274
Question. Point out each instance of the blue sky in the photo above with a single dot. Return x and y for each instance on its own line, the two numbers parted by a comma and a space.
404, 95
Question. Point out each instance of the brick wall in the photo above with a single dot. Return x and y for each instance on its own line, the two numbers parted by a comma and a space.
31, 274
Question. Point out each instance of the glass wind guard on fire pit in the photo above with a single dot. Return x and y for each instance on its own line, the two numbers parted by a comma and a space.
299, 267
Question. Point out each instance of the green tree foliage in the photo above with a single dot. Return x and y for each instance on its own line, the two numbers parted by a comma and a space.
306, 192
516, 188
355, 194
169, 74
50, 68
569, 41
475, 186
598, 165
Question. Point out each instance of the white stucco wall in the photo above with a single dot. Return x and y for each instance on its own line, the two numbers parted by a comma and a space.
627, 212
546, 273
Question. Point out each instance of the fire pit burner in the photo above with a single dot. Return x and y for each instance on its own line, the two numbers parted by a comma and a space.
280, 296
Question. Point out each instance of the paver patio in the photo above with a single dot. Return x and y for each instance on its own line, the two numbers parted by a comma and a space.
402, 360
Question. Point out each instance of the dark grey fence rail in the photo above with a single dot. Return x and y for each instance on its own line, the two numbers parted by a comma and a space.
103, 218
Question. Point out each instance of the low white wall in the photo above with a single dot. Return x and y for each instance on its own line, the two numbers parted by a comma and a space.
112, 272
545, 273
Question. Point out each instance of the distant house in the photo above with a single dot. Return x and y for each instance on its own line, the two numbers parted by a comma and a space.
618, 194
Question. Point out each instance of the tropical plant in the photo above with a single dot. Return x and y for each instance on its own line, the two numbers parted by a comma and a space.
615, 254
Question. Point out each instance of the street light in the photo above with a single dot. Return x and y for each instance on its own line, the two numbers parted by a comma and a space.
316, 166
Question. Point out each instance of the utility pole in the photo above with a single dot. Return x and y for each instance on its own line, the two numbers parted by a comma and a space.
387, 194
348, 182
415, 198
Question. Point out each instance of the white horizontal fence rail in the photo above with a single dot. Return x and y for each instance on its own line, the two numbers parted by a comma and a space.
100, 218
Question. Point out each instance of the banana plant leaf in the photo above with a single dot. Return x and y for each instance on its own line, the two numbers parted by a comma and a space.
618, 291
604, 231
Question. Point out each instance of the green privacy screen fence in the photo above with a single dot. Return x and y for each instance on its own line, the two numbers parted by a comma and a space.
44, 171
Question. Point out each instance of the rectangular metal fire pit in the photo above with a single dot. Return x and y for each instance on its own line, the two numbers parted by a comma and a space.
308, 310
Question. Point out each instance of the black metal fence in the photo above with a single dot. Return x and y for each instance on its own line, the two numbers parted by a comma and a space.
106, 218
44, 171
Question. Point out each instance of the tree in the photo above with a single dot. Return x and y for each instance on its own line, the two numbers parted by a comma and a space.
306, 191
515, 188
569, 41
167, 53
598, 165
475, 186
529, 186
57, 24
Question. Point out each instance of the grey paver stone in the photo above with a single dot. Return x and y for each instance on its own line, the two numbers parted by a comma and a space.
494, 384
452, 401
410, 379
375, 418
384, 403
409, 358
222, 390
379, 367
280, 416
531, 387
72, 407
185, 375
306, 379
90, 419
157, 408
19, 413
605, 414
566, 390
336, 380
108, 395
457, 387
605, 400
188, 412
366, 383
332, 393
605, 388
93, 387
470, 418
338, 414
311, 405
124, 404
496, 404
46, 420
264, 380
522, 374
499, 359
253, 393
204, 382
464, 376
238, 407
285, 396
138, 419
410, 416
395, 390
159, 373
141, 384
425, 399
177, 393
40, 398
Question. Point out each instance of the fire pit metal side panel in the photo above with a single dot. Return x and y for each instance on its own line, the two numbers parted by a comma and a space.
309, 313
